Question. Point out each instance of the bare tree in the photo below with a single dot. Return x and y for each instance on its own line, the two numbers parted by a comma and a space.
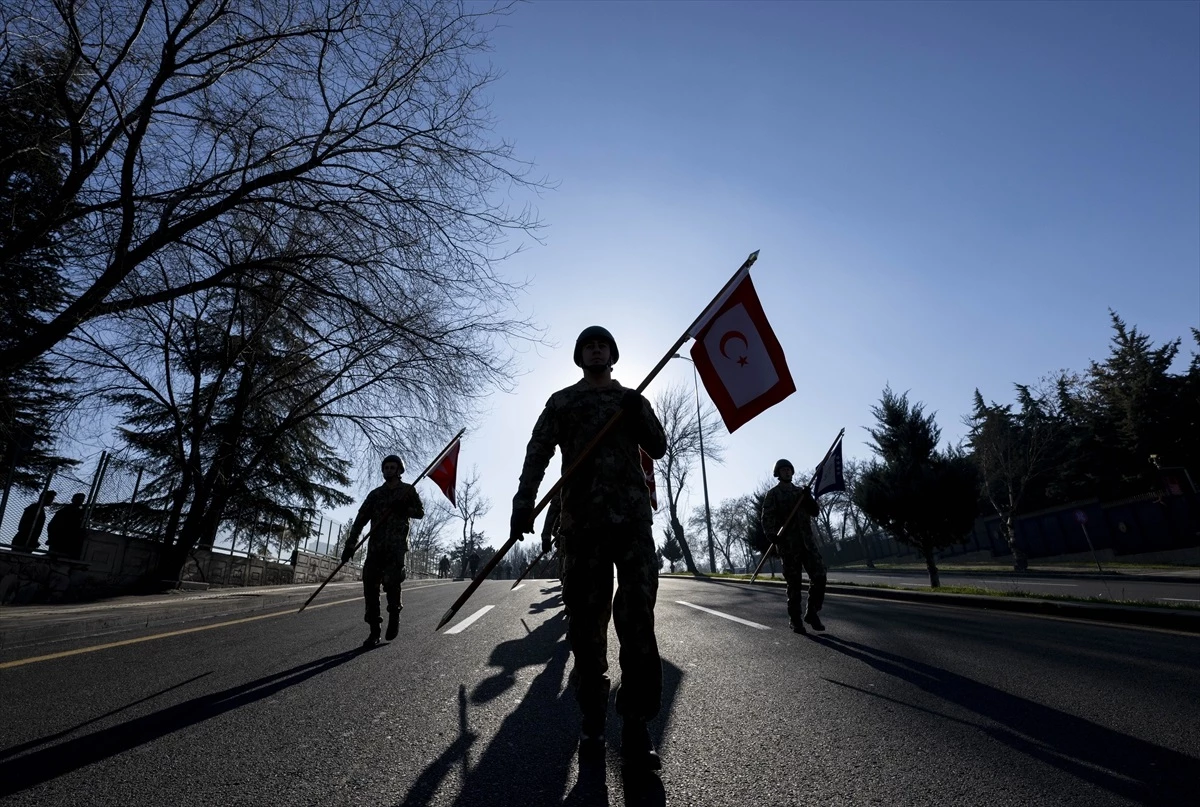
675, 408
185, 119
426, 535
471, 506
852, 471
730, 521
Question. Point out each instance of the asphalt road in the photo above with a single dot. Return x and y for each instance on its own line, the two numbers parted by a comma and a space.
1116, 588
897, 704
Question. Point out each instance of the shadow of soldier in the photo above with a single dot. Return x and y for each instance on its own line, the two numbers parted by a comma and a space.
529, 760
1134, 769
537, 648
425, 787
49, 763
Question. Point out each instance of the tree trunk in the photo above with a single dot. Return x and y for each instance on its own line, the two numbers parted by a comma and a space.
677, 528
934, 579
1008, 527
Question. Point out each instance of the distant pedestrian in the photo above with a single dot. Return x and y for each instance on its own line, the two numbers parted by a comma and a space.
388, 508
796, 546
33, 519
473, 563
65, 533
444, 566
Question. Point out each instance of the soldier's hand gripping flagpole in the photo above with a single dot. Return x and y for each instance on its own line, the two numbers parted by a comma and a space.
550, 494
363, 540
796, 506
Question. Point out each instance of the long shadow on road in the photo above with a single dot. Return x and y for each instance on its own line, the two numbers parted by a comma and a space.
19, 773
528, 761
1129, 767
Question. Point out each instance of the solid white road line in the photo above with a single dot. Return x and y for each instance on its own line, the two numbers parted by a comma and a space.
466, 623
724, 616
519, 587
1176, 599
1029, 583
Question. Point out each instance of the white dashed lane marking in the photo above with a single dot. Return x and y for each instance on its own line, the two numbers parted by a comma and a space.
466, 623
730, 617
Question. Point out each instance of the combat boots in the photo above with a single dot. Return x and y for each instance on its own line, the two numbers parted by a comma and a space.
373, 637
637, 749
816, 596
591, 735
393, 627
593, 702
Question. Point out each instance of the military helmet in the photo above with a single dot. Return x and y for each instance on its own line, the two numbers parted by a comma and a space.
595, 332
393, 458
779, 464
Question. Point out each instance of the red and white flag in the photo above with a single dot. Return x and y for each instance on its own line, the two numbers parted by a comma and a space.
737, 355
445, 473
648, 470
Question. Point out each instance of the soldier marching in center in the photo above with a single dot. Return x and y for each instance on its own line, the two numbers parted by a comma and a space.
388, 508
605, 521
796, 546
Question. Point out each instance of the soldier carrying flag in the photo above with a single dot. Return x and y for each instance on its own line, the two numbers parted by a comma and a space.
787, 513
605, 520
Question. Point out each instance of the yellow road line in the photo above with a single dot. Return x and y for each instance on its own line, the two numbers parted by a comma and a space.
51, 656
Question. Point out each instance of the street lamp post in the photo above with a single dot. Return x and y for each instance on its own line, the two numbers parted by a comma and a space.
712, 557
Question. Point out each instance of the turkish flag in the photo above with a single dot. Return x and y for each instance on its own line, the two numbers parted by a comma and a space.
738, 357
648, 470
445, 473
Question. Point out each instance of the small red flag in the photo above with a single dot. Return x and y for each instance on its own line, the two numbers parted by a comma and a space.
648, 470
445, 473
738, 357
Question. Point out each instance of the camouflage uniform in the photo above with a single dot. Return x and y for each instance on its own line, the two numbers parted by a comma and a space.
605, 520
388, 509
796, 546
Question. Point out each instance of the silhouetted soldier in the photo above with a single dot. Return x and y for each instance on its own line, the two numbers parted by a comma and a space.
33, 519
444, 567
388, 508
65, 534
796, 546
605, 520
473, 563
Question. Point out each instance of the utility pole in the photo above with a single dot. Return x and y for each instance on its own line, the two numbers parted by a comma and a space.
712, 557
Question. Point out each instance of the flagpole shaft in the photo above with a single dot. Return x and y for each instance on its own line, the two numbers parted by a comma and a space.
758, 568
474, 584
528, 568
746, 264
421, 476
440, 455
796, 506
554, 489
332, 575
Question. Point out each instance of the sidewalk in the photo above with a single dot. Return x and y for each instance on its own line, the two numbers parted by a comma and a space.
39, 623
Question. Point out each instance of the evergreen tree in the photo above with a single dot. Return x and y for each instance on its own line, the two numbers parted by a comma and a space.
923, 497
33, 131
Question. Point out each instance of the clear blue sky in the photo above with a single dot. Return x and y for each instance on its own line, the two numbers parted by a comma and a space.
946, 196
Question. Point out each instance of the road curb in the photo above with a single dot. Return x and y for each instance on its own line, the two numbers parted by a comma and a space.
1165, 618
1186, 576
